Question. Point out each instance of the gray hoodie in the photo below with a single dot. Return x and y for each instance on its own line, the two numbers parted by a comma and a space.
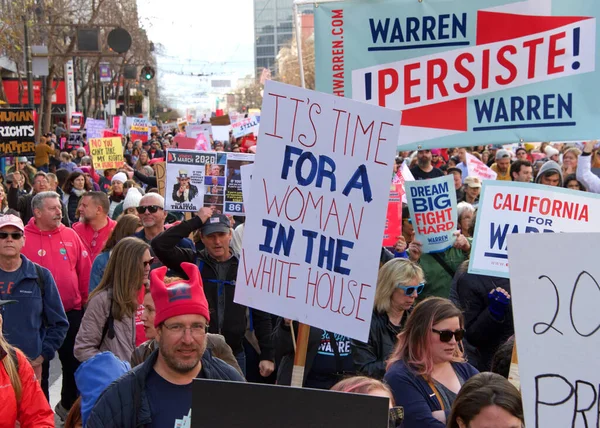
550, 166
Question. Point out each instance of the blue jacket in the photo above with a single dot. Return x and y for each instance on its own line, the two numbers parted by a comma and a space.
125, 404
414, 394
35, 327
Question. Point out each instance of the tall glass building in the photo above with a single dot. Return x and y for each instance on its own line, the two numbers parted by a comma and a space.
273, 29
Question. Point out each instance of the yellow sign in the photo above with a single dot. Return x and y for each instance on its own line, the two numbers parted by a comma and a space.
107, 152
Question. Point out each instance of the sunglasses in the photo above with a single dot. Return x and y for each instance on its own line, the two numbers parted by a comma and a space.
13, 235
150, 262
446, 335
410, 289
151, 209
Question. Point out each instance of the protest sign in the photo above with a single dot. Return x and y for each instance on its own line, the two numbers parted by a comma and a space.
509, 207
107, 133
74, 141
246, 172
234, 201
76, 122
393, 218
94, 128
192, 131
319, 198
139, 129
269, 406
432, 206
477, 168
17, 132
223, 120
189, 174
466, 73
181, 142
555, 300
161, 176
106, 152
245, 126
221, 133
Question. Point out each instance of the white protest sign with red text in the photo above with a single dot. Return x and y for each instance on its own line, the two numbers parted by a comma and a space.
477, 168
320, 189
508, 207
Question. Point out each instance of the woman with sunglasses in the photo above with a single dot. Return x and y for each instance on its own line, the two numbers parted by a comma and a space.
109, 323
399, 283
427, 369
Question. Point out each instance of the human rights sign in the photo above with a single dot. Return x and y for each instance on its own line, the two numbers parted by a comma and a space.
17, 132
463, 72
320, 190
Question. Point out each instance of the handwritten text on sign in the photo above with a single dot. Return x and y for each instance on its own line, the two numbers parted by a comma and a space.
555, 298
106, 152
320, 191
507, 208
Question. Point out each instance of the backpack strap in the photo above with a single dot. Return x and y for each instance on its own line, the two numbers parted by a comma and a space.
109, 325
438, 258
42, 286
437, 394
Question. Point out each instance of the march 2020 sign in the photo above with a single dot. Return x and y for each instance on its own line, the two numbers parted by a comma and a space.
466, 72
314, 224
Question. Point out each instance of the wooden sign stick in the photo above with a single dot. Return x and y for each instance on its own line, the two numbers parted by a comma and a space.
300, 356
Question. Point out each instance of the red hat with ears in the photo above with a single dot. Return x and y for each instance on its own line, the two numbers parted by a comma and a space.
181, 297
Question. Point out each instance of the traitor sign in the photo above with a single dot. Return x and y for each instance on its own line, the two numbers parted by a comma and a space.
432, 206
555, 298
17, 132
106, 152
507, 208
320, 189
463, 72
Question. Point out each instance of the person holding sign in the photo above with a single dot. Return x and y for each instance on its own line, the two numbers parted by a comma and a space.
159, 392
427, 369
399, 283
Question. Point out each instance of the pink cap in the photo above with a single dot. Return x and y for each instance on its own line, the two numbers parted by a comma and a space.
436, 152
11, 220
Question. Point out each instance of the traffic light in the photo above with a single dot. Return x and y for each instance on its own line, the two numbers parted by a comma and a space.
147, 72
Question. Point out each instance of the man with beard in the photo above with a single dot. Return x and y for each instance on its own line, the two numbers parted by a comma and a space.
159, 392
423, 170
95, 225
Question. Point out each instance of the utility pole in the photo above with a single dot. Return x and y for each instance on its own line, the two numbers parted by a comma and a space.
28, 63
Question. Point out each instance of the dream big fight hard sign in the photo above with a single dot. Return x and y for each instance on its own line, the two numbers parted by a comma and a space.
466, 72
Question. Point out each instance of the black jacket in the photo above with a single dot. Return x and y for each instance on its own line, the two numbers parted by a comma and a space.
470, 293
72, 204
369, 358
226, 317
193, 192
124, 404
22, 204
146, 179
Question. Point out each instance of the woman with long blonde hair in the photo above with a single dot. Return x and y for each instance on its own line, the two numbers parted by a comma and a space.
427, 368
109, 320
21, 395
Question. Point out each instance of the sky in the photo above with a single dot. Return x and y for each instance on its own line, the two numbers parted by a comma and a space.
198, 36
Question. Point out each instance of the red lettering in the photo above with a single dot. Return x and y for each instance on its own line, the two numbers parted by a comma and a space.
532, 46
409, 82
433, 80
337, 121
277, 96
466, 73
379, 140
485, 69
385, 90
360, 297
289, 278
497, 201
506, 63
364, 132
553, 53
295, 112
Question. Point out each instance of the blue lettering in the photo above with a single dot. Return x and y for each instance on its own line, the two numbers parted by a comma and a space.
412, 25
360, 180
326, 252
565, 106
548, 104
323, 172
547, 107
340, 256
284, 240
484, 109
413, 29
533, 105
266, 246
310, 235
379, 30
443, 25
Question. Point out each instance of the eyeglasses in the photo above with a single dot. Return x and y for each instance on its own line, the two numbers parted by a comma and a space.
196, 330
149, 262
446, 335
14, 235
410, 289
151, 209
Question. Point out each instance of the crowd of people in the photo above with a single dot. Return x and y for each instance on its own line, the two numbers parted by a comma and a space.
95, 271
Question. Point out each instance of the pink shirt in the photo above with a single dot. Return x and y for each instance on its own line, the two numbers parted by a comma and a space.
94, 240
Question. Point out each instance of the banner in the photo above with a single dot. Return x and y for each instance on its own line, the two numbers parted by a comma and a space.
555, 300
477, 168
393, 218
106, 152
432, 206
246, 126
76, 122
190, 178
466, 73
312, 241
139, 130
181, 142
192, 131
94, 128
221, 133
234, 200
17, 132
105, 72
508, 207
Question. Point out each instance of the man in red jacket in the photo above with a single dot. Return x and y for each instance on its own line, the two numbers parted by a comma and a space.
60, 250
95, 226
